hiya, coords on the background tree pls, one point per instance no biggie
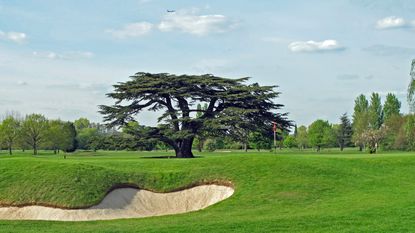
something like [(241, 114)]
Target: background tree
[(375, 112), (9, 132), (210, 145), (302, 137), (82, 123), (290, 141), (34, 130), (177, 95), (70, 143), (319, 133), (411, 88), (391, 107), (395, 137), (61, 136), (344, 132), (89, 139), (259, 141), (360, 120), (295, 131), (55, 135), (409, 128), (372, 138)]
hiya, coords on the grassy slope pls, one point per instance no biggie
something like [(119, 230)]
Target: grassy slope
[(290, 192)]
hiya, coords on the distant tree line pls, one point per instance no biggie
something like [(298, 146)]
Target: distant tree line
[(35, 132), (373, 125)]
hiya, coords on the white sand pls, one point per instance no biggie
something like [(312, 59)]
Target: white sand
[(127, 203)]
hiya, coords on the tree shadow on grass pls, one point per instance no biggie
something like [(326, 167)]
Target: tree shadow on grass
[(168, 157)]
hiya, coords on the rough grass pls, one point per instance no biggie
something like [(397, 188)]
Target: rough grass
[(292, 191)]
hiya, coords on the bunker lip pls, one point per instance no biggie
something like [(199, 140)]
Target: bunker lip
[(218, 182), (127, 202)]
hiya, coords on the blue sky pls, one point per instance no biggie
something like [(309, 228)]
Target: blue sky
[(59, 58)]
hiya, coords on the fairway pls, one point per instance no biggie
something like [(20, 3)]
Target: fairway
[(289, 191)]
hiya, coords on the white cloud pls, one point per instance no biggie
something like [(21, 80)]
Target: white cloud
[(315, 46), (191, 23), (17, 37), (132, 30), (72, 55), (391, 22)]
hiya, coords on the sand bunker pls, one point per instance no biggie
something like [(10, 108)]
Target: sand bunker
[(127, 203)]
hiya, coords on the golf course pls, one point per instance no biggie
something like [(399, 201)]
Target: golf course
[(287, 191), (207, 116)]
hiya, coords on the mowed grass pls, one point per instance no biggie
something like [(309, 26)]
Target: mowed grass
[(291, 191)]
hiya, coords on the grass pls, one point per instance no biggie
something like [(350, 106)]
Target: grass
[(289, 191)]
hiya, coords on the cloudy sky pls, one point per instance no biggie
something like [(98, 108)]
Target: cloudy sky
[(60, 57)]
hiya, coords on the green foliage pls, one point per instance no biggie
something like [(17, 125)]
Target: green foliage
[(259, 141), (320, 134), (392, 106), (290, 141), (410, 131), (411, 88), (360, 120), (61, 136), (176, 96), (210, 145), (395, 138), (302, 137), (34, 131), (69, 142), (81, 123), (295, 130), (9, 132), (88, 138), (344, 132), (375, 112)]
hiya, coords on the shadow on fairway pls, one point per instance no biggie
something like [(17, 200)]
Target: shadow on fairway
[(168, 157)]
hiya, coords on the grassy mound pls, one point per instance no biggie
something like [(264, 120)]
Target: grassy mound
[(293, 192)]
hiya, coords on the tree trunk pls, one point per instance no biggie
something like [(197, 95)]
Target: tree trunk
[(318, 148), (34, 149), (200, 145), (10, 150), (184, 149), (341, 147), (246, 147)]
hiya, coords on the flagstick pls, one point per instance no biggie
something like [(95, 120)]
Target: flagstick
[(274, 128)]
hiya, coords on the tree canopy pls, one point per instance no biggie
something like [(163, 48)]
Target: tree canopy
[(391, 107), (177, 97), (344, 132), (375, 111), (360, 119), (320, 134), (411, 88)]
